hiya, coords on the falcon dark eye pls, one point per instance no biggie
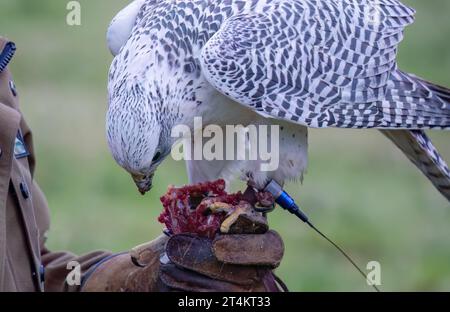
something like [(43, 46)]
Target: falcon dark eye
[(156, 157)]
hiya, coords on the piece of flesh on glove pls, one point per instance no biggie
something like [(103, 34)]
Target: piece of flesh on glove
[(206, 208), (200, 208)]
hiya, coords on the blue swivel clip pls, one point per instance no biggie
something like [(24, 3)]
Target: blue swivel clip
[(285, 201)]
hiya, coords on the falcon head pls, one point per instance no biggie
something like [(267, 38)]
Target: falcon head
[(136, 134), (134, 149)]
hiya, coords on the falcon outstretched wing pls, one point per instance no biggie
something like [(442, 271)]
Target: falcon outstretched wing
[(323, 63)]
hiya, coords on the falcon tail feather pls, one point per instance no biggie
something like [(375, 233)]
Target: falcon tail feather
[(416, 103), (417, 146), (442, 92)]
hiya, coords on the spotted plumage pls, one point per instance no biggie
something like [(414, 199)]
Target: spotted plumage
[(295, 63)]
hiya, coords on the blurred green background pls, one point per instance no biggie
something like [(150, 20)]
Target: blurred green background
[(359, 189)]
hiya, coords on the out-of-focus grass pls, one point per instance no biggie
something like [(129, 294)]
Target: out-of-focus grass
[(359, 189)]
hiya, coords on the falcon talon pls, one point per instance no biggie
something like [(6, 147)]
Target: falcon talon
[(265, 202), (264, 209)]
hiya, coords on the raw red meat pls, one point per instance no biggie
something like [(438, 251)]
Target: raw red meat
[(186, 208)]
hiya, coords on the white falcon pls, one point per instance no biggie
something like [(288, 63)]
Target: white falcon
[(292, 63)]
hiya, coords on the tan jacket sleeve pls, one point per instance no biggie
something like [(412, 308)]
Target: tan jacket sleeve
[(56, 271)]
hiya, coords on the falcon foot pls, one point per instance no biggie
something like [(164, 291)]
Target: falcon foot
[(262, 201)]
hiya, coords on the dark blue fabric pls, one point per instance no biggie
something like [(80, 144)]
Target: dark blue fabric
[(6, 55)]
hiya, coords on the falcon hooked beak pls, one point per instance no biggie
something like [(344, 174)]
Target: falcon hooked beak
[(143, 182)]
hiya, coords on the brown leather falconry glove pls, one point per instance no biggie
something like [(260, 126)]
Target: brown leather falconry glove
[(230, 262)]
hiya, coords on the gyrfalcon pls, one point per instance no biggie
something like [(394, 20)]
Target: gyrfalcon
[(292, 63)]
